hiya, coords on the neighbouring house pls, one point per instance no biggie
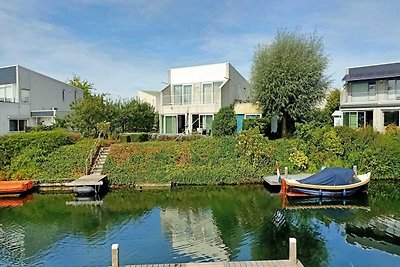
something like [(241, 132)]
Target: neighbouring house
[(371, 96), (151, 97), (28, 98), (195, 94), (245, 110)]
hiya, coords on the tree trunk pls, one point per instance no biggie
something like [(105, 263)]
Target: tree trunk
[(283, 126)]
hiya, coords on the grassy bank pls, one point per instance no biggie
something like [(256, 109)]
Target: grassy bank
[(46, 156), (249, 156), (60, 155)]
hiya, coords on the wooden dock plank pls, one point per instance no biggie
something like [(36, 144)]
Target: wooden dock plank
[(264, 263), (93, 179)]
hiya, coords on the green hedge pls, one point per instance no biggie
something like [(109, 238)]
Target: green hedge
[(249, 156), (134, 137), (49, 155)]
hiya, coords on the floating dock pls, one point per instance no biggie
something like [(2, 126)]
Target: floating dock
[(89, 180), (291, 262)]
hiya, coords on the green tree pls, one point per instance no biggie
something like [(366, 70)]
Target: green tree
[(288, 76), (224, 122), (78, 82), (87, 113), (332, 103)]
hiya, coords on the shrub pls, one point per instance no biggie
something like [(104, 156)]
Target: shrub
[(224, 122), (134, 137)]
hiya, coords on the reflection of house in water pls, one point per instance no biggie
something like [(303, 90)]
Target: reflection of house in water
[(194, 234), (382, 233)]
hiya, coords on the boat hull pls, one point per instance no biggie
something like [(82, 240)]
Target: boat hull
[(15, 187), (311, 192)]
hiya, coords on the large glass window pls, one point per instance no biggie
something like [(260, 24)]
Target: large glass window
[(391, 117), (187, 94), (358, 119), (371, 91), (182, 94), (359, 91), (393, 89), (177, 92), (207, 93), (8, 93), (206, 122), (170, 125), (17, 125)]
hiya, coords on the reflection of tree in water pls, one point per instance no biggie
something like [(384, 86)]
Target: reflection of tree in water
[(271, 241)]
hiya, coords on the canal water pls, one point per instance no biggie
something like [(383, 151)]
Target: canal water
[(201, 224)]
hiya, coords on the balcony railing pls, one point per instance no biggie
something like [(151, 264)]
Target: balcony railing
[(189, 99), (363, 96)]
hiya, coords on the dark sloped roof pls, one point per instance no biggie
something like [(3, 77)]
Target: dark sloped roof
[(390, 70)]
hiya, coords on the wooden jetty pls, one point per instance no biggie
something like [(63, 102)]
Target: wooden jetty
[(93, 180), (291, 262), (272, 180), (89, 180)]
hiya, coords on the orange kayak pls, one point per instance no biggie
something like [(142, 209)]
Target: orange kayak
[(15, 187)]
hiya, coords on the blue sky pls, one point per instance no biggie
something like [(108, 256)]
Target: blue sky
[(123, 46)]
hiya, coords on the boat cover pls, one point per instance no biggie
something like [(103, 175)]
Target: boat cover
[(331, 176)]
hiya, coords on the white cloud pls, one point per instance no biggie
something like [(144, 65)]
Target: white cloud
[(56, 52)]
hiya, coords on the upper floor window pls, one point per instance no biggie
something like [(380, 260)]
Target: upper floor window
[(8, 93), (75, 94), (208, 91), (393, 89), (25, 95), (363, 91), (182, 94), (63, 94)]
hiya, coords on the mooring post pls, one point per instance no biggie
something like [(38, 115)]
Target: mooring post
[(355, 170), (114, 255), (292, 250), (286, 173)]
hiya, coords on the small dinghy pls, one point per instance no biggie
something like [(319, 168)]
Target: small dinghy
[(15, 187), (330, 182), (84, 190)]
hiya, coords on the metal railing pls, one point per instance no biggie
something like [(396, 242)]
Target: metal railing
[(92, 154), (189, 99)]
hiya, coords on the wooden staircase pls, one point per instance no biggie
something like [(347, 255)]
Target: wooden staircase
[(97, 166)]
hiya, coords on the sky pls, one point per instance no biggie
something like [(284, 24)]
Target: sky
[(122, 46)]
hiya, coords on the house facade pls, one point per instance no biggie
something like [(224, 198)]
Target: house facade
[(195, 94), (371, 96), (28, 98)]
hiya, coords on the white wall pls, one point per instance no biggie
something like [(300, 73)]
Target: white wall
[(198, 74), (152, 98)]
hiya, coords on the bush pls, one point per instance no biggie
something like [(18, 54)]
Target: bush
[(224, 122), (13, 146), (134, 137)]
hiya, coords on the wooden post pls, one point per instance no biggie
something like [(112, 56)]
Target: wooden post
[(286, 173), (292, 250), (355, 170), (114, 255)]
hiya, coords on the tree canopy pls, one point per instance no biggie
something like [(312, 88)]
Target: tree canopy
[(78, 82), (288, 76)]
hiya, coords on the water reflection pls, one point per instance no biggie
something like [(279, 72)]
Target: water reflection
[(201, 224), (194, 233)]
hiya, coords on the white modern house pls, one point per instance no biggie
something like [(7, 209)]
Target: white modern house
[(371, 96), (28, 98), (195, 94)]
